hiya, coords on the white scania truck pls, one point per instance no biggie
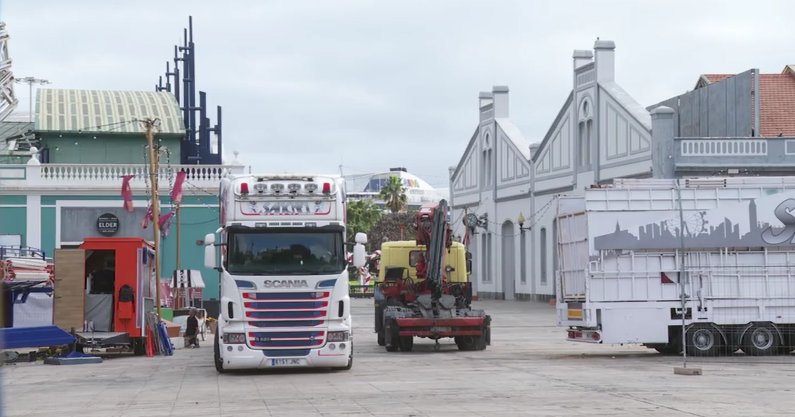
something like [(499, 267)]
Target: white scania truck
[(629, 251), (283, 273)]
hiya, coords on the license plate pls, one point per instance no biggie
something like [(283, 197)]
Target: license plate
[(286, 362)]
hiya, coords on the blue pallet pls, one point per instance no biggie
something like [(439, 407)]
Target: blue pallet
[(39, 336)]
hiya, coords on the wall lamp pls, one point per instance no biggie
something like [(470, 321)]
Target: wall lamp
[(521, 221)]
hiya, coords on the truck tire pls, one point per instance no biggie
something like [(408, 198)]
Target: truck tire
[(406, 343), (468, 343), (391, 336), (219, 362), (350, 360), (703, 340), (761, 339), (381, 338)]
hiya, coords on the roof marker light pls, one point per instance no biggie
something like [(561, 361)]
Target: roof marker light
[(243, 188), (326, 188)]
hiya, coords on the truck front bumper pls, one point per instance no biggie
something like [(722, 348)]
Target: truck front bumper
[(240, 356)]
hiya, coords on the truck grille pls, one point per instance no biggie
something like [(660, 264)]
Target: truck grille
[(285, 321)]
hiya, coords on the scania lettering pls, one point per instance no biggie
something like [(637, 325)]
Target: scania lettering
[(283, 273), (284, 284)]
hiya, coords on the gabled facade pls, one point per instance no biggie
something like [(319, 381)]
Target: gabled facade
[(600, 133), (492, 180)]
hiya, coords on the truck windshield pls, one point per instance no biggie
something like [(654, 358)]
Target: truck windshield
[(283, 252)]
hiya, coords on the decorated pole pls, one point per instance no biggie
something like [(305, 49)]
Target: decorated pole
[(155, 205)]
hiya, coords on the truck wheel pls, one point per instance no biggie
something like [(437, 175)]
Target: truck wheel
[(761, 339), (391, 336), (381, 338), (406, 343), (467, 343), (350, 360), (219, 362), (703, 340)]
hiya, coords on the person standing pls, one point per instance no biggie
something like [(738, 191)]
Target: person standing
[(191, 329)]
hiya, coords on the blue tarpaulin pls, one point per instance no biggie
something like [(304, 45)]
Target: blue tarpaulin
[(39, 336)]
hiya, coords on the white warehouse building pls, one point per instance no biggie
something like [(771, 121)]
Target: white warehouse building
[(601, 133)]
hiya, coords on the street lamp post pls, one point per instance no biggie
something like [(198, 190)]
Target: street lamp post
[(30, 81)]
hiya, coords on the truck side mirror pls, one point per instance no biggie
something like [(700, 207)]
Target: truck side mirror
[(469, 262), (358, 254), (209, 251)]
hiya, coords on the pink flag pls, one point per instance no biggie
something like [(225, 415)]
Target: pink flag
[(165, 223), (147, 218), (176, 192), (126, 193)]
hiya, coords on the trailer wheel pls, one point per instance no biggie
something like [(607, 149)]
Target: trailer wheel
[(219, 362), (703, 340), (761, 339)]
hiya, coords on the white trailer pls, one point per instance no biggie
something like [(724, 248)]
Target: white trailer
[(627, 252)]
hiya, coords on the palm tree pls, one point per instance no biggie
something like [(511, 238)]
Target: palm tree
[(394, 194)]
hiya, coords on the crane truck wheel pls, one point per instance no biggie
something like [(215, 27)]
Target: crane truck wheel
[(391, 336), (467, 343), (703, 340), (406, 343), (219, 362), (761, 339)]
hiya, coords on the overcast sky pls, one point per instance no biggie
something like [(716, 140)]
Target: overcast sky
[(374, 84)]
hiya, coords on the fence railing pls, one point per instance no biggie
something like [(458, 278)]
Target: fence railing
[(110, 175)]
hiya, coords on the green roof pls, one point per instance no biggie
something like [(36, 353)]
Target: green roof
[(104, 111)]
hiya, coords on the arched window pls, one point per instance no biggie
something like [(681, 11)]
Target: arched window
[(488, 163), (584, 135)]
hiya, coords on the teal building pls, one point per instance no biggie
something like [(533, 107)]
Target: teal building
[(64, 171)]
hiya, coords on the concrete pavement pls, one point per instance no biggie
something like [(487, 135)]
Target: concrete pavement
[(529, 370)]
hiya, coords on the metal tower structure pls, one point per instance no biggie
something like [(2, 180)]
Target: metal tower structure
[(196, 147), (8, 101)]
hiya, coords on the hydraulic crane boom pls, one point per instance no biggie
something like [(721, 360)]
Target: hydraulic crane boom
[(433, 232)]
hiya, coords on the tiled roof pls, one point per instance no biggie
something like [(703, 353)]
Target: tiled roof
[(713, 78), (98, 111), (777, 105), (776, 100)]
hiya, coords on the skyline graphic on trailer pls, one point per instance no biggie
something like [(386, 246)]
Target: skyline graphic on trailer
[(743, 224)]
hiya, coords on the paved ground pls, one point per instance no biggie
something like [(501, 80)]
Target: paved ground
[(528, 370)]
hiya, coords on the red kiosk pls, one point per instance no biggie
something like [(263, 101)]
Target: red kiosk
[(119, 291)]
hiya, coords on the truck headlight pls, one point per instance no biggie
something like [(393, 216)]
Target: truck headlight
[(338, 336), (234, 338)]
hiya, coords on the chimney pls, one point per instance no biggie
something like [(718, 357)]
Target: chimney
[(662, 138), (500, 93), (582, 57), (484, 99), (605, 52)]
